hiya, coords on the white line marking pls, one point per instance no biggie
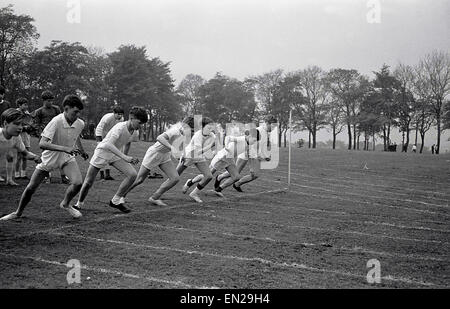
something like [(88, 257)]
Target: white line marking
[(108, 271), (247, 259), (268, 239)]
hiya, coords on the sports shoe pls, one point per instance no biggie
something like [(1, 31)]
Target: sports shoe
[(72, 211), (217, 183), (186, 186), (122, 200), (2, 179), (219, 194), (65, 180), (155, 175), (120, 207), (108, 177), (238, 189), (195, 197), (156, 202), (11, 183), (17, 175), (11, 216)]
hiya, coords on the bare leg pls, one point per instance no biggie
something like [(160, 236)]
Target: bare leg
[(169, 169), (240, 164), (235, 176), (36, 179), (130, 176), (255, 167), (88, 183), (72, 171), (141, 176), (10, 165)]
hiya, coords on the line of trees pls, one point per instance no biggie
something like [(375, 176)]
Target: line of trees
[(411, 99)]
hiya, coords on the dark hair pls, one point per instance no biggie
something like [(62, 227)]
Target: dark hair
[(21, 101), (2, 89), (73, 101), (206, 121), (189, 120), (139, 113), (118, 110), (47, 95), (10, 115)]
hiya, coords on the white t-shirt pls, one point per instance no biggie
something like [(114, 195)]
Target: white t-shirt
[(234, 146), (174, 133), (7, 145), (118, 136), (61, 133), (107, 122), (198, 145)]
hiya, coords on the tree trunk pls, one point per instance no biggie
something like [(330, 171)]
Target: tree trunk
[(373, 138), (407, 138), (417, 132), (354, 136), (422, 136), (309, 139), (285, 132), (438, 145), (357, 145), (314, 135), (349, 131), (334, 137), (280, 135)]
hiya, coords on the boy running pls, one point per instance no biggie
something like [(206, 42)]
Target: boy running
[(108, 152), (10, 139), (194, 153), (254, 161), (159, 155), (61, 142), (224, 159), (107, 122)]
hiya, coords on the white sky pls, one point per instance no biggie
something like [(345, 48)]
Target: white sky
[(246, 37)]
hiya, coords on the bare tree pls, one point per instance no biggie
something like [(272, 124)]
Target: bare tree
[(405, 75), (435, 68), (334, 118)]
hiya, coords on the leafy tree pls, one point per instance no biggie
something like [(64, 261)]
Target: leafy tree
[(17, 37), (188, 93)]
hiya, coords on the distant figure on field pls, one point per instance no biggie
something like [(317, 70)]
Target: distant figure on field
[(432, 149), (414, 149)]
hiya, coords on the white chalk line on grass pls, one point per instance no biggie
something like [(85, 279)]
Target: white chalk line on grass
[(346, 213), (400, 226), (373, 185), (358, 185), (369, 196), (329, 230), (115, 216), (246, 259), (109, 271), (321, 245), (369, 203), (364, 173)]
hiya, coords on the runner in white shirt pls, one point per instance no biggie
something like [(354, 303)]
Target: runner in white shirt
[(108, 152), (159, 155), (61, 143), (224, 159), (253, 161), (107, 122), (197, 150), (10, 139)]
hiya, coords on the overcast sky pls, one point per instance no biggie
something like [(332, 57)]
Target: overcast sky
[(247, 37)]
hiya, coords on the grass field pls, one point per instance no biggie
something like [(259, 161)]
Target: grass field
[(321, 234)]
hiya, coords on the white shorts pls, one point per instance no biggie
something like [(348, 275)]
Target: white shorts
[(56, 161), (191, 161), (100, 163), (154, 158), (219, 163)]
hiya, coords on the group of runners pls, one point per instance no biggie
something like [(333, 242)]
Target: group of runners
[(217, 154)]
